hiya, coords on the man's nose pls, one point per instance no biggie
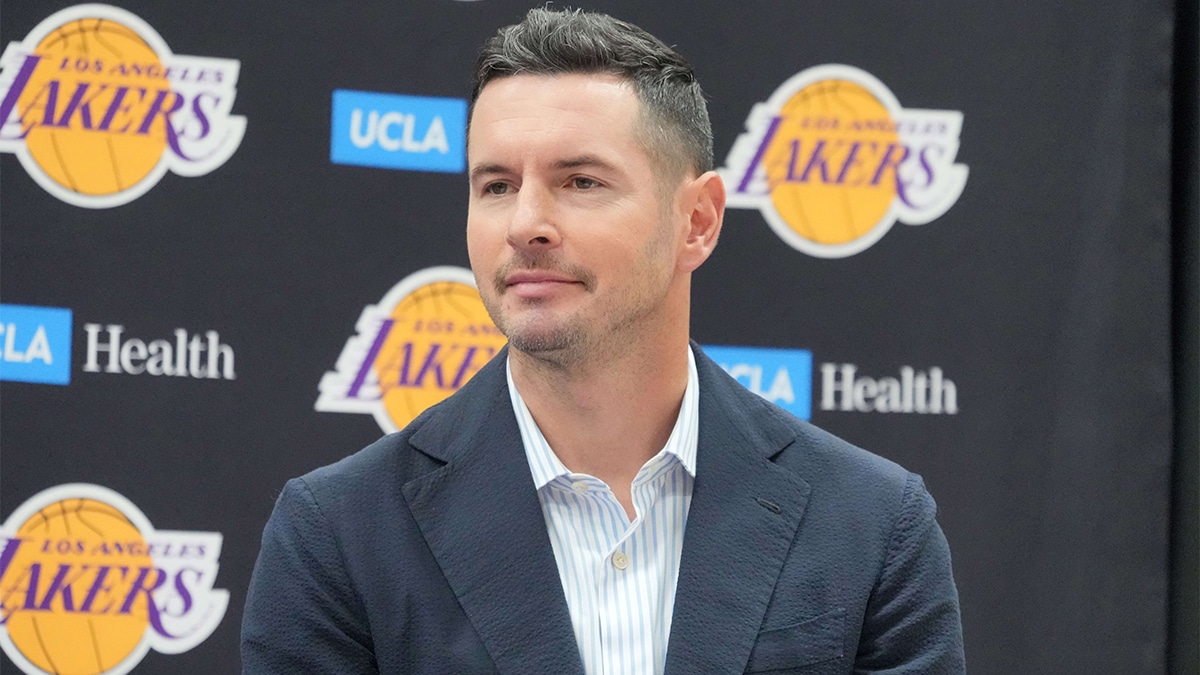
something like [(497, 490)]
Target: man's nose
[(533, 221)]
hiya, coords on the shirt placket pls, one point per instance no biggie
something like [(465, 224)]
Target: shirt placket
[(604, 526), (628, 584)]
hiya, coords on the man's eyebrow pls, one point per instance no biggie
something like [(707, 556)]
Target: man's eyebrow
[(577, 162), (584, 161), (487, 170)]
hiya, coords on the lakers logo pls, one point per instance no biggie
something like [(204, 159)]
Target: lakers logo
[(832, 161), (423, 341), (97, 108), (88, 586)]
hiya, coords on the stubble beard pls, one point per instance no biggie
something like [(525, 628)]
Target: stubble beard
[(569, 340), (558, 342)]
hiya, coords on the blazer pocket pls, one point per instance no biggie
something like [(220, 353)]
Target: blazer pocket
[(800, 644)]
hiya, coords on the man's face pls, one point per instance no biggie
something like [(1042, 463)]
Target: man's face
[(571, 237)]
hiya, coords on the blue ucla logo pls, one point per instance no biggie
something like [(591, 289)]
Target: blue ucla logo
[(394, 131), (782, 376), (35, 344)]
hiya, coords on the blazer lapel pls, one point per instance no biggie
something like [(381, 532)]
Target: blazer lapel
[(482, 520), (744, 515)]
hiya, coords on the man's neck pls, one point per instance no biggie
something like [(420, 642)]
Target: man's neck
[(606, 416)]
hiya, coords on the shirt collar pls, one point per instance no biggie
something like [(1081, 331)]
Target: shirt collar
[(546, 466)]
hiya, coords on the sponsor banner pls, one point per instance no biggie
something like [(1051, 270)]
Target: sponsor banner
[(428, 335), (88, 586), (36, 344), (97, 108), (910, 390), (396, 131), (781, 376), (110, 350), (832, 161)]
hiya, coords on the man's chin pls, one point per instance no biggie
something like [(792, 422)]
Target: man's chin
[(545, 338), (540, 343)]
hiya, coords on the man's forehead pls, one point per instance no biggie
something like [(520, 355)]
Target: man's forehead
[(550, 82), (597, 110), (554, 95)]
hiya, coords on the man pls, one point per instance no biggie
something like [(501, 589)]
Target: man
[(601, 497)]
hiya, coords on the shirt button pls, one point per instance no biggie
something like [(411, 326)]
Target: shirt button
[(579, 486), (620, 560)]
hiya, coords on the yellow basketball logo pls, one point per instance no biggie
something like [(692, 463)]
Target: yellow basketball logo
[(88, 586), (97, 108), (421, 343), (832, 161)]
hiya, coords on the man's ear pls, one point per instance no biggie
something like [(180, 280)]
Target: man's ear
[(705, 204)]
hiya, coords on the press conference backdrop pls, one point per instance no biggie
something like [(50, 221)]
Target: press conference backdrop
[(233, 251)]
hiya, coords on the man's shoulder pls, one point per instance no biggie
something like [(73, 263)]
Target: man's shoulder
[(375, 473), (424, 445), (831, 465), (844, 483), (826, 456)]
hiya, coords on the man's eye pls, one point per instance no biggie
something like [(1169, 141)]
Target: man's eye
[(496, 188), (584, 183)]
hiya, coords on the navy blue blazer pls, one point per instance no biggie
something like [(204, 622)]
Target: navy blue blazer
[(427, 552)]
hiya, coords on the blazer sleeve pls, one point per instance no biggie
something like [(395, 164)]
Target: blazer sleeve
[(302, 614), (913, 623)]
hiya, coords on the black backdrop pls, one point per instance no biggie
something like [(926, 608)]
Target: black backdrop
[(1043, 293)]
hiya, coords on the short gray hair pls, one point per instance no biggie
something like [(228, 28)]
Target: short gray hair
[(675, 122)]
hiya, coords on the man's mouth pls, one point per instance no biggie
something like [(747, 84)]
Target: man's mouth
[(536, 283)]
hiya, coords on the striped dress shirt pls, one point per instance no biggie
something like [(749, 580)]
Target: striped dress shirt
[(618, 576)]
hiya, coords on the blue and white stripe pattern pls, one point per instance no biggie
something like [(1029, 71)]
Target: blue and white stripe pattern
[(618, 576)]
